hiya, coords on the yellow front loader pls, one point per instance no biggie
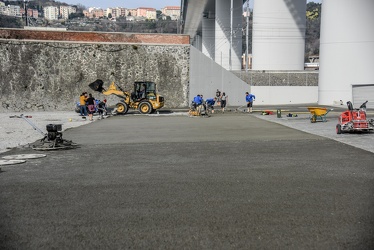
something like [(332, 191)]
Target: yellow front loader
[(144, 96)]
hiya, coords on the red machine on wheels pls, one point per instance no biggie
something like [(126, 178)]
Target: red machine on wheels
[(354, 120)]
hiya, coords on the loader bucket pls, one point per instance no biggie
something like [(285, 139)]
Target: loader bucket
[(97, 85)]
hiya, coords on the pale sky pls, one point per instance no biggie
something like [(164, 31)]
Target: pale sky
[(157, 4)]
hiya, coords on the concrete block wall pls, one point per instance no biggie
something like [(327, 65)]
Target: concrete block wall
[(279, 95), (42, 75), (282, 87), (279, 78)]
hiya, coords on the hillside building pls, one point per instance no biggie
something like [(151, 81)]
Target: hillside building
[(149, 13), (10, 10), (131, 12), (65, 11), (171, 11), (51, 13)]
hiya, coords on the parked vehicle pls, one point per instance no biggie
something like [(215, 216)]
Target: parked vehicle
[(144, 96), (354, 120)]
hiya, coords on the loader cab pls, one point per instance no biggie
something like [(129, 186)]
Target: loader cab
[(144, 90)]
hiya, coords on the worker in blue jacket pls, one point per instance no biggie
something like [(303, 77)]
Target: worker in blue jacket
[(197, 103), (249, 98), (210, 103), (198, 100)]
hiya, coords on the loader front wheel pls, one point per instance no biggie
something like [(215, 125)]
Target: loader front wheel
[(122, 108), (145, 108)]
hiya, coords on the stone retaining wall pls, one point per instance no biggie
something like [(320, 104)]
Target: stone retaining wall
[(45, 75)]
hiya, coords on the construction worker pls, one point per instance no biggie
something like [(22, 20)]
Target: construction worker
[(223, 101), (210, 103), (249, 98), (197, 102), (82, 104)]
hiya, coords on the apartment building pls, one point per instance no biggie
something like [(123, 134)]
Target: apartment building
[(94, 12), (65, 11), (146, 12), (10, 10), (33, 13), (51, 12), (171, 11), (3, 9), (131, 12), (123, 11), (117, 12), (109, 11), (30, 13), (149, 13), (14, 10)]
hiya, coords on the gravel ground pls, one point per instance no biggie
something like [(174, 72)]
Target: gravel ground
[(15, 132)]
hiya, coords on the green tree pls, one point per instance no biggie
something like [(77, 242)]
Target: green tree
[(312, 33), (76, 15), (11, 22)]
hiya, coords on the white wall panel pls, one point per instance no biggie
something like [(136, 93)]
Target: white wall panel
[(278, 34), (346, 48)]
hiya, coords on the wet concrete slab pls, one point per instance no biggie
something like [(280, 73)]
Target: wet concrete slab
[(229, 181)]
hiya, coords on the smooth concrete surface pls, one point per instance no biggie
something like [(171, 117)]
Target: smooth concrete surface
[(231, 181)]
